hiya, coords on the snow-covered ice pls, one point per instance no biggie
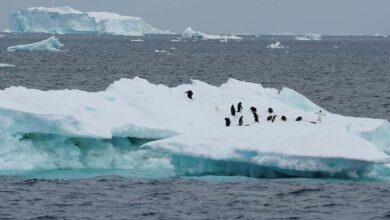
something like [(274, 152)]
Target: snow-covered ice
[(193, 133), (66, 20), (50, 44), (309, 36), (191, 34), (276, 45)]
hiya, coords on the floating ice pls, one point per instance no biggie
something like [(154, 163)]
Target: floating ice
[(276, 45), (50, 44), (73, 128), (160, 51), (4, 65), (137, 40), (66, 20), (309, 36), (191, 34)]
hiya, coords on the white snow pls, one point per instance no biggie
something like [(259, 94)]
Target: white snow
[(65, 20), (196, 129), (50, 44), (276, 45), (308, 37), (4, 65), (191, 34)]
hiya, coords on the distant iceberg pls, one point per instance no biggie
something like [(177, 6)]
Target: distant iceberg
[(51, 44), (309, 36), (72, 128), (191, 34), (276, 45), (66, 20), (4, 65)]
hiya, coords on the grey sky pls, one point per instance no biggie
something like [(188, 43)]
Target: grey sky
[(238, 16)]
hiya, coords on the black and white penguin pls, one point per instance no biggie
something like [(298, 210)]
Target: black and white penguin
[(239, 107), (227, 122), (269, 118), (299, 118), (284, 118), (273, 118), (256, 116), (253, 109), (241, 121), (270, 110), (189, 94), (233, 110)]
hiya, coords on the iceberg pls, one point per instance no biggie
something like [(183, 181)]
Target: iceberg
[(197, 35), (66, 20), (50, 44), (308, 37), (134, 123), (276, 45), (4, 65)]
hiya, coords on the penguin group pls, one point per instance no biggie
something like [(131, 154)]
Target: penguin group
[(271, 118)]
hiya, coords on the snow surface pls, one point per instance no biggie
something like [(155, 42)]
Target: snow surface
[(276, 45), (308, 36), (50, 44), (66, 20), (193, 132), (191, 34), (4, 65)]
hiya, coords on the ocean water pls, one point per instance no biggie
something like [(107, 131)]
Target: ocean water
[(345, 75)]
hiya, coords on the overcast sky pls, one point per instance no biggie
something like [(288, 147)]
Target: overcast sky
[(238, 16)]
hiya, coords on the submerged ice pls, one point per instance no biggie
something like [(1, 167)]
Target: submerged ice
[(66, 20), (134, 123), (50, 44)]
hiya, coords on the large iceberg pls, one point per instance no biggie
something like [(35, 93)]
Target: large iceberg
[(308, 37), (50, 44), (66, 20), (134, 123), (191, 34)]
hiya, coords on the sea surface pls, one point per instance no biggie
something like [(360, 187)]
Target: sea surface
[(345, 75)]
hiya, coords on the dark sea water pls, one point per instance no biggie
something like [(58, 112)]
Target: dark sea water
[(345, 75)]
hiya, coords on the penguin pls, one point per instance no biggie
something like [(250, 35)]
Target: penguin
[(256, 117), (189, 94), (241, 121), (233, 110), (270, 110), (253, 109), (273, 118), (269, 118), (227, 122), (299, 118), (239, 107), (284, 118)]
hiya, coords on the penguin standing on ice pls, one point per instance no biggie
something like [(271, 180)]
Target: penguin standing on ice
[(284, 118), (189, 94), (270, 110), (241, 121), (256, 116), (233, 110), (273, 118), (239, 107), (319, 114), (227, 122)]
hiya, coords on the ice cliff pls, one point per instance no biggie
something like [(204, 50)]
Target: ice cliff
[(66, 20)]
